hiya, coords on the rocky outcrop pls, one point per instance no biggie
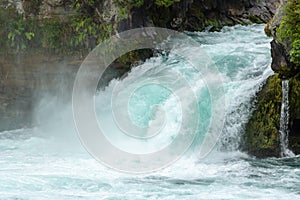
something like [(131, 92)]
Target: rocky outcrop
[(195, 15), (281, 60), (221, 12), (262, 131), (261, 134)]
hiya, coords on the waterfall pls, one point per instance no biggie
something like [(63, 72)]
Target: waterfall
[(284, 121)]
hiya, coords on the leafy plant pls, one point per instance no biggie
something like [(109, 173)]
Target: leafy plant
[(19, 35), (87, 24), (289, 29)]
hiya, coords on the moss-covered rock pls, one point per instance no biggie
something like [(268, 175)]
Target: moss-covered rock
[(289, 30), (261, 133), (261, 136), (284, 28), (294, 137)]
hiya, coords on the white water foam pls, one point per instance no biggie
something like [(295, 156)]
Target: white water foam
[(45, 163)]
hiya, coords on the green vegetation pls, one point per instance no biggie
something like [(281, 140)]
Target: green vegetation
[(14, 33), (87, 24), (255, 19), (294, 140), (81, 32), (261, 134), (295, 97), (262, 131), (289, 29), (124, 6), (84, 30), (19, 35), (130, 3), (165, 3), (267, 29), (216, 25)]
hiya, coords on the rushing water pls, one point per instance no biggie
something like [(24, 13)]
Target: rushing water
[(48, 162), (284, 121)]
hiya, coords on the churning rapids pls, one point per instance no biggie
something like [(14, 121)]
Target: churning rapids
[(48, 162)]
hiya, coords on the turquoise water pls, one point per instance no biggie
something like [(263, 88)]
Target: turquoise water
[(48, 162)]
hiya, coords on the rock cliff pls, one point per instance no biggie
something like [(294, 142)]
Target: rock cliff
[(262, 131)]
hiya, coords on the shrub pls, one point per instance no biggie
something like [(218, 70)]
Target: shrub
[(289, 29)]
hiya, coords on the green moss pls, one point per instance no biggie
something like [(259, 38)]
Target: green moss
[(294, 138), (261, 133), (294, 143), (130, 3), (295, 97), (161, 17), (267, 29), (15, 33), (196, 12), (165, 3), (255, 19), (87, 25), (285, 71), (123, 12), (82, 32), (289, 29), (124, 6), (216, 25)]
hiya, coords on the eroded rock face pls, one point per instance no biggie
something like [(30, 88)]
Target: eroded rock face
[(275, 22), (184, 15), (229, 12), (26, 78), (280, 49), (281, 60), (18, 4), (56, 9)]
